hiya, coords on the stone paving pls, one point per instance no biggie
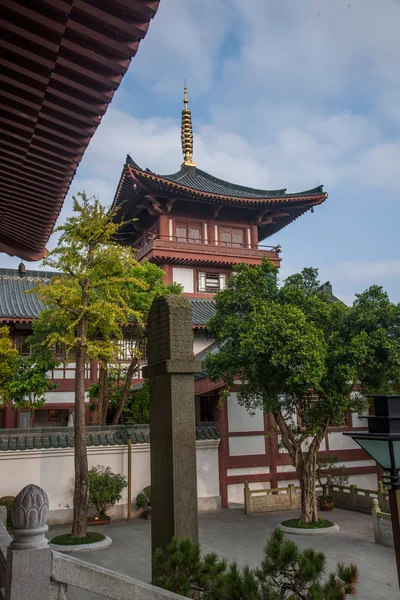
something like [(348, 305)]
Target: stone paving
[(237, 536)]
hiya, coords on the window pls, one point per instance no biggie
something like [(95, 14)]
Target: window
[(181, 231), (130, 347), (211, 283), (188, 232), (231, 236), (194, 234), (206, 409), (22, 345)]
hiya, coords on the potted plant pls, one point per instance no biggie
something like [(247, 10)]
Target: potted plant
[(329, 473), (7, 501), (143, 501), (105, 489)]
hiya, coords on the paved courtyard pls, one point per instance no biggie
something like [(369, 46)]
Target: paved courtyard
[(238, 537)]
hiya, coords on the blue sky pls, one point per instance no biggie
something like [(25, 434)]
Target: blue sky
[(283, 93)]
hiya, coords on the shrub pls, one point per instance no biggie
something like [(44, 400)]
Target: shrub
[(105, 488), (285, 573), (7, 501), (67, 540), (143, 500)]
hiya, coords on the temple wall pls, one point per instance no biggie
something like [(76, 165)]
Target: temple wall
[(53, 470)]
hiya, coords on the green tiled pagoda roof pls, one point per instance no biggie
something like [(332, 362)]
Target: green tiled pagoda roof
[(15, 302), (198, 180), (202, 310), (108, 435)]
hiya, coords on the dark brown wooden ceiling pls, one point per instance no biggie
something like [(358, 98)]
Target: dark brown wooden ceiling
[(60, 64)]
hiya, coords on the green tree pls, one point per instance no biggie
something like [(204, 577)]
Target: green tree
[(115, 378), (285, 573), (8, 360), (142, 301), (139, 407), (31, 382), (87, 307), (298, 355)]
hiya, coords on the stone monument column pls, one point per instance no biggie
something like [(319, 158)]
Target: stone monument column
[(170, 370)]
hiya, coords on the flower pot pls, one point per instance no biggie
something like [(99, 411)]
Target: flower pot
[(326, 502), (99, 520)]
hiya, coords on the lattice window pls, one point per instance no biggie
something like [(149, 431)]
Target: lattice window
[(22, 345), (131, 346), (211, 283)]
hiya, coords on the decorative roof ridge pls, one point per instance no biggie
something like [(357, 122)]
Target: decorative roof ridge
[(174, 178), (24, 278)]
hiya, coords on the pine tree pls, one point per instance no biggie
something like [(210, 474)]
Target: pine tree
[(285, 573)]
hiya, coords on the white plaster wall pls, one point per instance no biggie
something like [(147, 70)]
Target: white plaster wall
[(285, 469), (287, 482), (306, 444), (53, 470), (236, 491), (366, 482), (184, 277), (338, 441), (239, 418), (201, 341), (246, 445), (61, 397), (357, 422), (248, 471)]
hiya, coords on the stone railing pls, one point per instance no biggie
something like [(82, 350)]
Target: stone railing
[(359, 499), (265, 500), (31, 570), (382, 523)]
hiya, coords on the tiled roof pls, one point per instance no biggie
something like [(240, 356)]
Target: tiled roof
[(198, 180), (202, 310), (15, 302), (108, 435)]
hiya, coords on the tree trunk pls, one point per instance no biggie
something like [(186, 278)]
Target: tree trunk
[(306, 474), (125, 392), (81, 490)]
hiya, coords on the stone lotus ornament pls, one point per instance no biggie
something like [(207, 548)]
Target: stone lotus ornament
[(29, 516)]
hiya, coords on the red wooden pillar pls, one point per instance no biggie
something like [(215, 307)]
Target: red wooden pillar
[(9, 416), (254, 236), (164, 227)]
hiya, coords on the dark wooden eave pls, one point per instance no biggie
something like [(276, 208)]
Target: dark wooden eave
[(272, 209), (61, 63)]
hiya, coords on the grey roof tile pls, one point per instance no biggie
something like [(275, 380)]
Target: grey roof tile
[(111, 435), (202, 310), (196, 179), (15, 301)]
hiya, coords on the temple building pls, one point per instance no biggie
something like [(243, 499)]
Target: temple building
[(196, 227)]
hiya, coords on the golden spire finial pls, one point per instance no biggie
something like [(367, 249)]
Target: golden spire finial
[(187, 133)]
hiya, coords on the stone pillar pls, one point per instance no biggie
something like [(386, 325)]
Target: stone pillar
[(29, 555), (171, 366)]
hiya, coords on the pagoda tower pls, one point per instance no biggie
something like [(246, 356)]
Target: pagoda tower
[(197, 226)]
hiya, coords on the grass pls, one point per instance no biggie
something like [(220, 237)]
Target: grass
[(299, 524), (67, 540)]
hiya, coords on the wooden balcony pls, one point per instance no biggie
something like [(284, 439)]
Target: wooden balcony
[(180, 251)]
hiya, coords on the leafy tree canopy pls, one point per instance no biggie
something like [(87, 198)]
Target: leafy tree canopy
[(8, 360), (298, 355)]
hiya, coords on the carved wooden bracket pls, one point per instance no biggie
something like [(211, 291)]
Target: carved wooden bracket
[(216, 212)]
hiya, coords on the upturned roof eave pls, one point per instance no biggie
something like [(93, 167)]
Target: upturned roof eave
[(315, 196)]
